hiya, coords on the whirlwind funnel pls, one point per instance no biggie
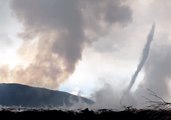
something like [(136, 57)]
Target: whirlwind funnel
[(144, 56)]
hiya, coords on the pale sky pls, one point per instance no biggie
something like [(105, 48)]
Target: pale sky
[(111, 57)]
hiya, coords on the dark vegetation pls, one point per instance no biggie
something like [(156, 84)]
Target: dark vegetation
[(129, 114)]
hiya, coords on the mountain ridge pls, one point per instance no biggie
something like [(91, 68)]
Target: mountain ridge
[(13, 94)]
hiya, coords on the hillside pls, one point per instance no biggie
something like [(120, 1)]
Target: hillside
[(27, 96)]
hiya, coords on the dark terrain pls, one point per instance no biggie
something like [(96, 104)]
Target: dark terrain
[(26, 96), (21, 102), (89, 115)]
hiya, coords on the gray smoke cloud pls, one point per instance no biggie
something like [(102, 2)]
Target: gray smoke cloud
[(55, 33), (110, 98), (106, 97), (144, 57)]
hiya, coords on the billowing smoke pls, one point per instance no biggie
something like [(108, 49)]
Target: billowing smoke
[(106, 97), (144, 57), (55, 33)]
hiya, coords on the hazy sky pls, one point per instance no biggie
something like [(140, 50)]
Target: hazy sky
[(85, 46)]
